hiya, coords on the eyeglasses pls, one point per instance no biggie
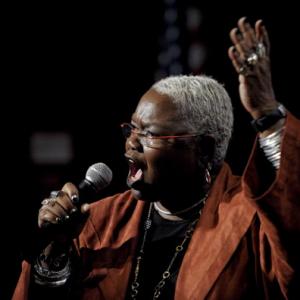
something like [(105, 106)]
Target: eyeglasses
[(153, 141)]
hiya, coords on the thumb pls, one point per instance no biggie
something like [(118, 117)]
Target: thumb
[(85, 208)]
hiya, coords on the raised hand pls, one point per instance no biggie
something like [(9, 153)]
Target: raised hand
[(250, 56)]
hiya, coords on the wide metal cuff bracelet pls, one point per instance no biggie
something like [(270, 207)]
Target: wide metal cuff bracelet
[(271, 146), (52, 278)]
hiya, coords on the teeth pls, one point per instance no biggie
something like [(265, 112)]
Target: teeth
[(137, 175), (135, 170), (131, 161)]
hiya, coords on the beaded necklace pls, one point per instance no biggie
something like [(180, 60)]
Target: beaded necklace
[(167, 273)]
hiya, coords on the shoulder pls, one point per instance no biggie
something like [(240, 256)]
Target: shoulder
[(226, 183), (116, 205), (109, 219)]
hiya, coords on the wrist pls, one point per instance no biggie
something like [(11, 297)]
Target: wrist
[(52, 267), (268, 120), (52, 276)]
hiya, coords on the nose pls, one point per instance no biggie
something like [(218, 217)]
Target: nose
[(133, 142)]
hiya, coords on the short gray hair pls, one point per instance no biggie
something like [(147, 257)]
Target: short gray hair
[(204, 105)]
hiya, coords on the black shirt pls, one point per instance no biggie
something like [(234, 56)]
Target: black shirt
[(160, 246)]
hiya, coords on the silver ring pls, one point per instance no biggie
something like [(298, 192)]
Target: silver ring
[(252, 59), (261, 50), (48, 201), (54, 194), (73, 210), (244, 69)]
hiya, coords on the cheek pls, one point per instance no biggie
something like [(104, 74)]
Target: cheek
[(157, 165), (165, 167)]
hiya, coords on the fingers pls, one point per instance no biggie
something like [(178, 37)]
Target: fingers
[(85, 208), (71, 190), (244, 38), (55, 213), (247, 32), (61, 207), (235, 58), (249, 53), (262, 35), (238, 42)]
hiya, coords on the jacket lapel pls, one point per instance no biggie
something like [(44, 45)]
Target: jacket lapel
[(218, 233)]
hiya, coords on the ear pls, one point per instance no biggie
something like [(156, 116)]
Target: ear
[(206, 149)]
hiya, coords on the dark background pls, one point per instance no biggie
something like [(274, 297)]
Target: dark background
[(81, 68)]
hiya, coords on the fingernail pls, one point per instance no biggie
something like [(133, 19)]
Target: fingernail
[(85, 207), (58, 220), (73, 210), (75, 199)]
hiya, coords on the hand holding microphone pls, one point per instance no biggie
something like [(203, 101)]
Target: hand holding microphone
[(63, 207), (60, 219)]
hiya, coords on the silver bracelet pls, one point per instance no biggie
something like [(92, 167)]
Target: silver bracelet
[(45, 276), (271, 146)]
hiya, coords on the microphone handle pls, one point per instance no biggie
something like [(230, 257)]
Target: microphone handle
[(87, 192)]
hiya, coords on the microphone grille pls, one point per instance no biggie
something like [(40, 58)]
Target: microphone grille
[(100, 175)]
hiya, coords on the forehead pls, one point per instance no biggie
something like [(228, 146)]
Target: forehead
[(154, 106)]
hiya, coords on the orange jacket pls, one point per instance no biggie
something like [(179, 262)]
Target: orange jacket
[(245, 246)]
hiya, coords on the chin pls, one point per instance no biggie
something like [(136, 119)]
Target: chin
[(144, 192), (137, 195)]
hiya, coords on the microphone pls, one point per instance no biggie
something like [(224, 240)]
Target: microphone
[(97, 177)]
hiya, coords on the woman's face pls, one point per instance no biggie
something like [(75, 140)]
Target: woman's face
[(169, 168)]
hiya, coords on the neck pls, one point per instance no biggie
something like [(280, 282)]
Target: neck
[(179, 214)]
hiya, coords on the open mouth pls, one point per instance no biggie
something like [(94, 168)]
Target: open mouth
[(135, 174)]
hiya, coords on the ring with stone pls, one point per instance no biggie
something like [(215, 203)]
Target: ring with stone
[(252, 59), (261, 50)]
